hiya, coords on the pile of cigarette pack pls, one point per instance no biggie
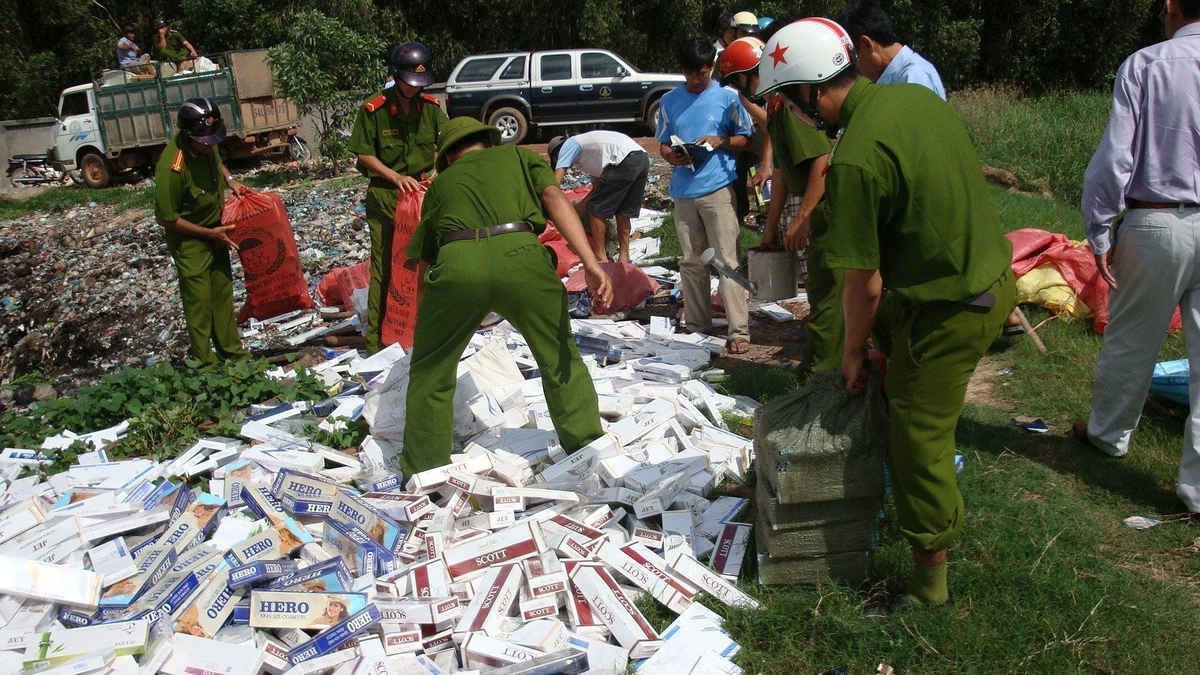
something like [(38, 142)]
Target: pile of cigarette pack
[(270, 553)]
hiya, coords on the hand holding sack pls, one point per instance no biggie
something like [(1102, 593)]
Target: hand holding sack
[(400, 309), (267, 248)]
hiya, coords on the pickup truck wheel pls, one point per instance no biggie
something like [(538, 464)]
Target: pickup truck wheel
[(95, 170), (511, 122), (652, 118)]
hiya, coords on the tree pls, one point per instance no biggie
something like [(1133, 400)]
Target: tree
[(328, 69)]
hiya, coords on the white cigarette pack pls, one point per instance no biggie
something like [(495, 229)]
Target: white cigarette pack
[(400, 638), (112, 560), (482, 651), (721, 511), (399, 505), (498, 594), (60, 645), (506, 546), (191, 655), (730, 549), (649, 572), (603, 658), (53, 583), (711, 582), (21, 517), (546, 635), (425, 611), (537, 608), (544, 575), (610, 604)]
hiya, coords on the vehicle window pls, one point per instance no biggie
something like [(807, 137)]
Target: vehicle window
[(596, 64), (515, 69), (479, 70), (556, 67), (74, 104)]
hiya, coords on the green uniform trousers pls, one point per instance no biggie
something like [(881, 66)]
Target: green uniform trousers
[(206, 287), (932, 351), (381, 217), (512, 275), (826, 327)]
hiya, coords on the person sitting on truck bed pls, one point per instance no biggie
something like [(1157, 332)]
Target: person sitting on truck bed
[(171, 46), (130, 56)]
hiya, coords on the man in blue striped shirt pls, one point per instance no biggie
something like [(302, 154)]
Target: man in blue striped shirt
[(881, 56)]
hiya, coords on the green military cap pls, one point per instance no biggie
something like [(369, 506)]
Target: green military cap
[(456, 130)]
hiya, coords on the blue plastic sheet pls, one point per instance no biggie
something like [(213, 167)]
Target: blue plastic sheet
[(1170, 380)]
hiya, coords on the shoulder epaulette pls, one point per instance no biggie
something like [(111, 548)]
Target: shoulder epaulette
[(177, 162), (430, 98), (375, 103), (774, 104)]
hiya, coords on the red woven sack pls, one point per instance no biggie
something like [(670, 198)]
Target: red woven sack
[(267, 248), (339, 284), (400, 309)]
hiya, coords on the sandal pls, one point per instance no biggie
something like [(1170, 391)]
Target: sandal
[(737, 346)]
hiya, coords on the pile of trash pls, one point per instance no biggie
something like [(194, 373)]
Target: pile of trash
[(289, 556)]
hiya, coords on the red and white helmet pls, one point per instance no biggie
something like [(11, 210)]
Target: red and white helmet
[(808, 51), (740, 56)]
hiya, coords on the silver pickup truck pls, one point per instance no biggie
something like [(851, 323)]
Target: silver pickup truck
[(519, 91)]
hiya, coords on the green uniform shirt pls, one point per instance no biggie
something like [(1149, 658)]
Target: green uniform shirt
[(483, 188), (907, 197), (406, 143), (796, 144), (174, 50), (188, 185)]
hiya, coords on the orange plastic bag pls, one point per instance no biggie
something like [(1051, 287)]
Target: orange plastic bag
[(267, 248), (400, 308), (339, 284)]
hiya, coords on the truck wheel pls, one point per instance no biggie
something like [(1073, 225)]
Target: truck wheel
[(511, 122), (95, 170), (298, 150)]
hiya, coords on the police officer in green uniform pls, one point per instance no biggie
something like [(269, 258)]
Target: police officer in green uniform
[(910, 213), (188, 195), (478, 235), (395, 137)]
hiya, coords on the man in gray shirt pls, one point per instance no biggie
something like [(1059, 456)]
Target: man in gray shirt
[(1147, 166)]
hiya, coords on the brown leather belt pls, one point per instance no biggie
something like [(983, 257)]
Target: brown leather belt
[(484, 233), (1139, 204)]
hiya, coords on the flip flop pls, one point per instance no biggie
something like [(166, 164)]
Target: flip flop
[(737, 346)]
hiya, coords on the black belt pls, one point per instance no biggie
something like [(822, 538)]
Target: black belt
[(484, 233), (1139, 204)]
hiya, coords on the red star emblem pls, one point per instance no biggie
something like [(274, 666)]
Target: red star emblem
[(777, 55)]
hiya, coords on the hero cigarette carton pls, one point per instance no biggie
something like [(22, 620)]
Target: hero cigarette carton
[(482, 651), (209, 610), (506, 546), (258, 499), (348, 509), (277, 541), (330, 640), (610, 604), (168, 595), (306, 507), (361, 553), (649, 572), (258, 572), (303, 485), (302, 609), (710, 581), (329, 575), (498, 594), (730, 549)]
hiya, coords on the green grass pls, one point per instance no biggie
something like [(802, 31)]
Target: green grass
[(58, 199), (1046, 141)]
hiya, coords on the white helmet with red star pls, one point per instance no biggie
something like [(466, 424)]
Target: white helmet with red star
[(808, 51)]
